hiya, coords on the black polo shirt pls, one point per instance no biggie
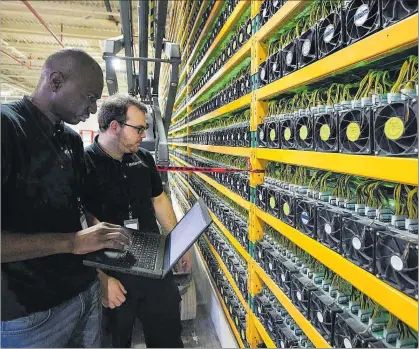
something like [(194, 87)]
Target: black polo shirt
[(42, 167), (119, 190)]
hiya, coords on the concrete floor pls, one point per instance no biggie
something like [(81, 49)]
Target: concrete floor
[(197, 333)]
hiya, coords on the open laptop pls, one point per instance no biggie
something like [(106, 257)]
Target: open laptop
[(154, 255)]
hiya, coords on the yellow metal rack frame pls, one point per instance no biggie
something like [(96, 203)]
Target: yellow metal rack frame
[(387, 41)]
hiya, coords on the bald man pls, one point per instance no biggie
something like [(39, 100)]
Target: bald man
[(49, 299)]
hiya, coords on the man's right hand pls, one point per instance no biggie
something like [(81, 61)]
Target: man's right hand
[(100, 236)]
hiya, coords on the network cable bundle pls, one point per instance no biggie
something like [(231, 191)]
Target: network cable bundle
[(306, 112)]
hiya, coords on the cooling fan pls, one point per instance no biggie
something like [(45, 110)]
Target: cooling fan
[(284, 271), (241, 279), (245, 187), (265, 11), (287, 207), (242, 36), (396, 10), (223, 56), (262, 306), (241, 326), (243, 236), (289, 61), (305, 216), (275, 70), (358, 242), (285, 338), (235, 44), (261, 196), (272, 257), (362, 19), (273, 201), (331, 34), (248, 83), (245, 135), (307, 47), (301, 287), (396, 129), (304, 132), (260, 251), (273, 320), (355, 131), (350, 333), (329, 227), (326, 132), (287, 134), (262, 136), (272, 130), (275, 6), (248, 29), (323, 312), (264, 73), (397, 261)]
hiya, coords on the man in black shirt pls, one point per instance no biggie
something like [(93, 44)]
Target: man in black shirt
[(49, 299), (123, 187)]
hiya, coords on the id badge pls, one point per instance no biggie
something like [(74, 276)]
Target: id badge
[(131, 223), (83, 221)]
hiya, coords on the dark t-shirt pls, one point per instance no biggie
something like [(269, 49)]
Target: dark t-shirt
[(115, 188), (42, 168)]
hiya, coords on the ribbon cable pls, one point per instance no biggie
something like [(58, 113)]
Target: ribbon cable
[(202, 169)]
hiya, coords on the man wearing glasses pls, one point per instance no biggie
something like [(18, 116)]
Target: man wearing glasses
[(123, 187)]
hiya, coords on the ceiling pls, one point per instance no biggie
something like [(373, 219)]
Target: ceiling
[(26, 42)]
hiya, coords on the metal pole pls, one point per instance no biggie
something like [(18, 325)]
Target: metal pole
[(40, 19), (158, 43), (143, 45), (126, 18)]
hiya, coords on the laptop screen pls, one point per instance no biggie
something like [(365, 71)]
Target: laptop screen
[(195, 221)]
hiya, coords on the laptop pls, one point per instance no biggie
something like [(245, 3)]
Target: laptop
[(154, 255)]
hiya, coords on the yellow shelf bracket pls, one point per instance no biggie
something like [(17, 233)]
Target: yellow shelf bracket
[(257, 164), (259, 111), (257, 225), (256, 283), (252, 334)]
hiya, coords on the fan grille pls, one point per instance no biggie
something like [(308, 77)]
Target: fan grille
[(363, 18), (287, 208), (396, 10), (397, 261), (358, 242), (396, 129), (355, 131), (326, 132), (305, 219), (289, 58), (329, 227), (307, 47), (286, 128), (330, 34), (304, 132)]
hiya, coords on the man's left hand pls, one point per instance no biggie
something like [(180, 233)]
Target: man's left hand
[(185, 263)]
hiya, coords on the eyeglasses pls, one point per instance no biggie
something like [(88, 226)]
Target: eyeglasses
[(140, 129)]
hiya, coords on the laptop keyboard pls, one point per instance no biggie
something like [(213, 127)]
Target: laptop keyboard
[(145, 256)]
